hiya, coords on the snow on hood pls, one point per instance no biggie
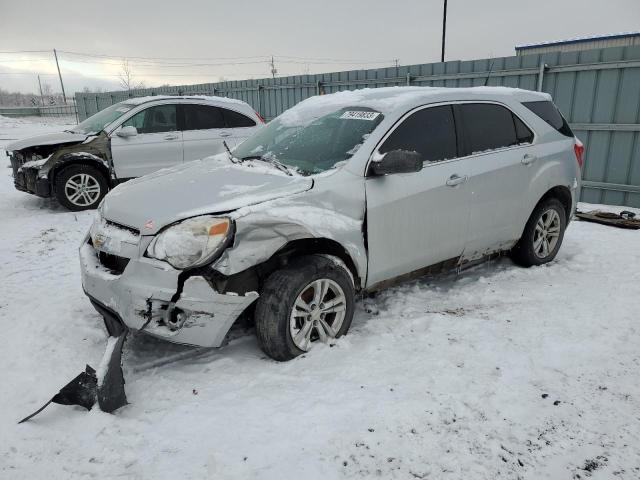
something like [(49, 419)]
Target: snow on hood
[(200, 187), (46, 139)]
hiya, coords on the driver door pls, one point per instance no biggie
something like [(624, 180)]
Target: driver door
[(157, 145), (415, 220)]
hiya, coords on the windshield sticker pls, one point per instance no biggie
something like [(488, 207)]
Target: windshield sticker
[(359, 115)]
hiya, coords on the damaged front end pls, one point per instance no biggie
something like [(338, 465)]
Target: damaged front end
[(34, 165), (130, 288)]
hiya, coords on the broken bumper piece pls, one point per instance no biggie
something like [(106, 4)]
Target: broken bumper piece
[(142, 298)]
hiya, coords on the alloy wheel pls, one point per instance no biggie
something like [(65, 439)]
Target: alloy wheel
[(82, 189), (546, 233), (318, 313)]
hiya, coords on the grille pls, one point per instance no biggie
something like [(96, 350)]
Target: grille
[(114, 263), (122, 227)]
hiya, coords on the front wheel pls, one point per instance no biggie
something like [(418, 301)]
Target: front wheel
[(310, 300), (542, 235), (80, 187)]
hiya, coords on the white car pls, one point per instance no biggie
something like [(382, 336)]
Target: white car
[(127, 140)]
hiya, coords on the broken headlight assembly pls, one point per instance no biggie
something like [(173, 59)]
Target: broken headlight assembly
[(192, 242)]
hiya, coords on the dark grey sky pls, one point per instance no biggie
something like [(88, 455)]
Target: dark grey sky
[(354, 30)]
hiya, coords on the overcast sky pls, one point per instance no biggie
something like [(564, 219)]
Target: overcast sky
[(349, 33)]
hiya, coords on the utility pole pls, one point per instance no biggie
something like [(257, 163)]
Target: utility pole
[(273, 68), (444, 29), (41, 96), (64, 97)]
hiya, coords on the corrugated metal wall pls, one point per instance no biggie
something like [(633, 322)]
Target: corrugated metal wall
[(597, 90)]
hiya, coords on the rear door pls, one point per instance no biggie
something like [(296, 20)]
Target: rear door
[(239, 125), (204, 131), (498, 144), (415, 220), (158, 143)]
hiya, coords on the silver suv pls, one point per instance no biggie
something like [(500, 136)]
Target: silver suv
[(127, 140), (343, 193)]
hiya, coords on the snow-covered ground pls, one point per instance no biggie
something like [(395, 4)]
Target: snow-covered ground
[(500, 372)]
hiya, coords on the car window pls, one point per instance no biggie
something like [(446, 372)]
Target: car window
[(312, 143), (523, 133), (156, 119), (235, 120), (202, 117), (547, 111), (487, 127), (97, 122), (431, 132)]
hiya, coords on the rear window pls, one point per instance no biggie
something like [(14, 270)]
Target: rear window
[(548, 112), (236, 120)]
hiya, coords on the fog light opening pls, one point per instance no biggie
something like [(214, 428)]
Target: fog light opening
[(176, 319)]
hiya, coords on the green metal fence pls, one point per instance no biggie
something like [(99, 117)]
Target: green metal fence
[(47, 111), (597, 90)]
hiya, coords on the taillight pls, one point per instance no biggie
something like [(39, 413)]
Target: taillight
[(578, 149), (260, 117)]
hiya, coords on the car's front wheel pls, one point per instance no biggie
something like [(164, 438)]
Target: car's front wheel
[(542, 235), (310, 300), (80, 187)]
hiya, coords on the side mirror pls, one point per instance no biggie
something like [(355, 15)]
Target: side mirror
[(126, 132), (397, 161)]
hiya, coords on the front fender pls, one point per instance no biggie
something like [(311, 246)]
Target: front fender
[(262, 230)]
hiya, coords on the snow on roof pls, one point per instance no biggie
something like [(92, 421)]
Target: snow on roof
[(389, 99), (588, 38), (150, 98)]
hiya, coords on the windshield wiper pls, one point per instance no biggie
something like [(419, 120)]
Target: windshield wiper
[(280, 166), (232, 159)]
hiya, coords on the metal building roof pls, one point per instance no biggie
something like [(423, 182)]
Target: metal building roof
[(569, 41)]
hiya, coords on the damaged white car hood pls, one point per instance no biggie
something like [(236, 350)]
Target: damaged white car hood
[(201, 187), (47, 139)]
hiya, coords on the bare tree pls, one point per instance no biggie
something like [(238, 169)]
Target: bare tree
[(127, 80)]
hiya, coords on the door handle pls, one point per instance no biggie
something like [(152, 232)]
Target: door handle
[(528, 159), (171, 136), (456, 179), (225, 134)]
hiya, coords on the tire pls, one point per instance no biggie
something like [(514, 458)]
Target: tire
[(294, 287), (71, 178), (530, 249)]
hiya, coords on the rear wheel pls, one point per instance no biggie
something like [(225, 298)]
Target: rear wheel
[(80, 187), (542, 235), (310, 300)]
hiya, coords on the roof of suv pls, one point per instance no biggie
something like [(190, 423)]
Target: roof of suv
[(212, 98), (391, 99)]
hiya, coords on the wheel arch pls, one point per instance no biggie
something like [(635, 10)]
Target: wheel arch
[(254, 277), (320, 246), (88, 160), (563, 194)]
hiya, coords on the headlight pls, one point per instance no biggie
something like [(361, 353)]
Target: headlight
[(192, 242)]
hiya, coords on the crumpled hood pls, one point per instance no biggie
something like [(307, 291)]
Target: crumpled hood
[(46, 139), (200, 187)]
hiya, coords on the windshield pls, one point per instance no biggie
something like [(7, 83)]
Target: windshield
[(97, 122), (312, 147)]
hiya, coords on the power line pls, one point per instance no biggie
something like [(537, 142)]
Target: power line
[(26, 51)]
